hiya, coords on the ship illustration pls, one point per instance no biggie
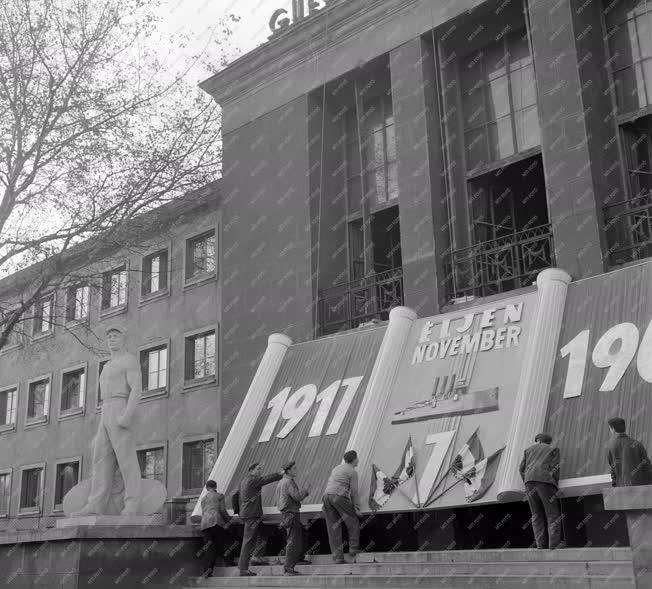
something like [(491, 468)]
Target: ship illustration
[(450, 397)]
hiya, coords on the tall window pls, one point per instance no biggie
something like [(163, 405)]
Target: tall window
[(200, 255), (155, 273), (152, 464), (43, 315), (499, 101), (30, 489), (154, 368), (114, 288), (38, 400), (8, 407), (73, 390), (99, 388), (629, 32), (66, 477), (198, 460), (77, 305), (200, 355), (5, 493)]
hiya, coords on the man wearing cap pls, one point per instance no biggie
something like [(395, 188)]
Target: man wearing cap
[(628, 460), (539, 470), (114, 446), (251, 512), (289, 504)]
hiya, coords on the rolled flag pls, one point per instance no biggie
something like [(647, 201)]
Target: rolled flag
[(407, 466), (380, 489), (483, 476), (464, 465)]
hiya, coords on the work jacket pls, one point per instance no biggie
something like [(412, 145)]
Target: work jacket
[(251, 504), (630, 465), (213, 511), (540, 464)]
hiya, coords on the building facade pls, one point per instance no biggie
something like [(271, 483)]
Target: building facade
[(163, 287)]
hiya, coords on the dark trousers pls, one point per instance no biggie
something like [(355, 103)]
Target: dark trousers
[(291, 523), (546, 517), (253, 542), (217, 543), (338, 510)]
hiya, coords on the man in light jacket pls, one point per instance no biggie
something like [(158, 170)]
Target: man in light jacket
[(539, 470), (289, 504), (628, 460), (342, 504), (215, 526)]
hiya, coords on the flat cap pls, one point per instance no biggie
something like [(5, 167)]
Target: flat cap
[(115, 327)]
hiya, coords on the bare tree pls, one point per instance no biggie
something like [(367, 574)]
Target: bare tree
[(96, 127)]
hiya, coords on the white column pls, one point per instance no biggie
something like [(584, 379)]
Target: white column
[(531, 404), (380, 386), (243, 426)]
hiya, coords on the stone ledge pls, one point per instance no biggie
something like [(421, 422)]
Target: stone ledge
[(627, 498)]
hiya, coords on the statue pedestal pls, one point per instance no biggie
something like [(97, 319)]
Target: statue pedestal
[(636, 502), (107, 520)]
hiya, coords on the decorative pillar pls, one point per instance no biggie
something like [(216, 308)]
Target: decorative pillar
[(253, 404), (380, 386), (534, 384)]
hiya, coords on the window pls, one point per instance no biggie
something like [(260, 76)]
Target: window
[(66, 477), (198, 460), (77, 303), (114, 288), (15, 338), (154, 368), (155, 273), (99, 388), (200, 255), (5, 492), (73, 390), (629, 35), (43, 315), (499, 101), (200, 355), (8, 406), (38, 400), (31, 489), (152, 464)]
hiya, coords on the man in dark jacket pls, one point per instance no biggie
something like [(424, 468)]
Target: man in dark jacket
[(630, 465), (540, 472), (216, 526), (251, 512), (289, 504)]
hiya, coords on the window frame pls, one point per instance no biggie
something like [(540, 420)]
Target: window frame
[(36, 314), (72, 321), (160, 391), (30, 422), (7, 472), (121, 307), (29, 511), (11, 427), (10, 347), (201, 278), (204, 380), (81, 409), (163, 444), (215, 437), (57, 463), (145, 298)]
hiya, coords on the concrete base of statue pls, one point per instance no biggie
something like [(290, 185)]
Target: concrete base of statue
[(108, 520), (636, 502)]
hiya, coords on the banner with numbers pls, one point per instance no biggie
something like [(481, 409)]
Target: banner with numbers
[(603, 368)]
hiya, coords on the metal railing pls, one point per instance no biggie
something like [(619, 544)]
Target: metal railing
[(628, 225), (501, 264), (346, 306)]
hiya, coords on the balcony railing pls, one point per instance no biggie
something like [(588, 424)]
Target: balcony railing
[(501, 264), (628, 227), (346, 306)]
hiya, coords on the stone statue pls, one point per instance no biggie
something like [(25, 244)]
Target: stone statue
[(115, 465)]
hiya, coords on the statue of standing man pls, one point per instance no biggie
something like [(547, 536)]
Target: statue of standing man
[(115, 448)]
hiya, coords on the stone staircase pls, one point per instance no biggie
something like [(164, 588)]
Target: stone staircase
[(577, 568)]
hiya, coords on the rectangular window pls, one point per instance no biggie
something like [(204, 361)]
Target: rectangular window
[(78, 300), (154, 368), (66, 477), (38, 400), (198, 460), (200, 255), (155, 273), (5, 492), (43, 315), (99, 388), (8, 407), (152, 464), (200, 355), (114, 288), (73, 390), (30, 489)]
